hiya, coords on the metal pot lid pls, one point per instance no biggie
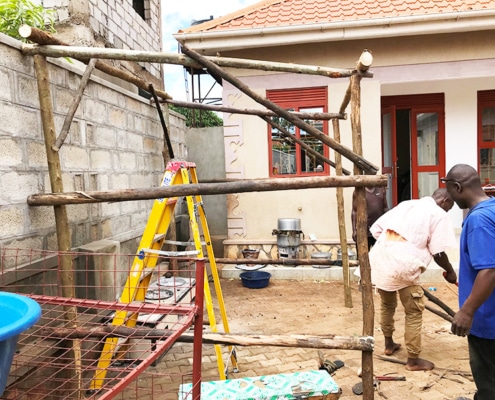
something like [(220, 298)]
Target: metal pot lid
[(289, 224)]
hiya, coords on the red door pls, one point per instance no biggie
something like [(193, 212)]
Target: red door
[(413, 145)]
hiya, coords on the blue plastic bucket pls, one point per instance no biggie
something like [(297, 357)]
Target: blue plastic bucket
[(17, 314)]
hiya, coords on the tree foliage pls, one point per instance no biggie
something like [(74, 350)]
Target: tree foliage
[(198, 118), (14, 13)]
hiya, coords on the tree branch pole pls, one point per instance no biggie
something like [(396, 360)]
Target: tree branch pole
[(341, 218), (361, 343), (283, 261), (54, 48), (73, 107), (443, 315), (252, 111), (61, 218), (439, 303), (242, 186), (362, 239), (358, 160), (166, 137), (301, 143), (43, 38)]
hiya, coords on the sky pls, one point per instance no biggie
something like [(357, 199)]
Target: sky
[(178, 14)]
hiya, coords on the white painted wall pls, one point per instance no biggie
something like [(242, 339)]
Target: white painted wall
[(460, 82), (254, 215)]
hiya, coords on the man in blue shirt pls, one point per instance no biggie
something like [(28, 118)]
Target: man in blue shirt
[(476, 316)]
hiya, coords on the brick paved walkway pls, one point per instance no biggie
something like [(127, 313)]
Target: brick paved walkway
[(312, 307)]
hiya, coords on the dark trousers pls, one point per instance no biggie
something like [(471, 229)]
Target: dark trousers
[(482, 362)]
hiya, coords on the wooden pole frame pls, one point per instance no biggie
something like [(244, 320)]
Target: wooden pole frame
[(193, 59)]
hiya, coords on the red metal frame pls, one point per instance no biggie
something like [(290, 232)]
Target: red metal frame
[(44, 363)]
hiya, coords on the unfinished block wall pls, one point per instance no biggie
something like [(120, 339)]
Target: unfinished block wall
[(112, 24), (115, 142)]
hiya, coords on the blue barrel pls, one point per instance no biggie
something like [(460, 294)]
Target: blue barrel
[(18, 313)]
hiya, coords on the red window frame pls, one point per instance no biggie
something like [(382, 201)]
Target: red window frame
[(298, 100), (486, 99)]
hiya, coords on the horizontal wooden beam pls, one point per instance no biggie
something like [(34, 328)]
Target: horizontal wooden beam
[(247, 111), (284, 261), (241, 186), (45, 39), (361, 343), (53, 49)]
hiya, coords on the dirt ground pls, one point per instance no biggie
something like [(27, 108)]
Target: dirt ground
[(317, 308)]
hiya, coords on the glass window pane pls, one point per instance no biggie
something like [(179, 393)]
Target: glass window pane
[(387, 150), (283, 148), (488, 124), (487, 166), (309, 161), (427, 183), (427, 138)]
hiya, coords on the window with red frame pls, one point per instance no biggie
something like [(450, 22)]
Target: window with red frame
[(486, 136), (288, 158)]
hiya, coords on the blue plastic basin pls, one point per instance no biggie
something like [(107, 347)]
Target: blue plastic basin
[(255, 279), (17, 314)]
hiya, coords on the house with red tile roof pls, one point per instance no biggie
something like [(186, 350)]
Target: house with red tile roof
[(429, 104)]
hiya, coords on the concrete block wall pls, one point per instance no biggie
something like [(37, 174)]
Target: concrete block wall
[(115, 142), (111, 24)]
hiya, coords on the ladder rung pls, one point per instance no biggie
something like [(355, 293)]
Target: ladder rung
[(182, 243), (171, 253), (161, 236)]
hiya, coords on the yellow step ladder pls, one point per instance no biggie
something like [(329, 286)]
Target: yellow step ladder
[(136, 286)]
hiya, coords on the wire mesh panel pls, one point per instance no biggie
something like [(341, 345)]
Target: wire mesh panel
[(58, 358)]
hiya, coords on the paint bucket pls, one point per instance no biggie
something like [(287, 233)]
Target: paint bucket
[(18, 313)]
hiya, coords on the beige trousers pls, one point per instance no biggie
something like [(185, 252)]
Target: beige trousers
[(412, 299)]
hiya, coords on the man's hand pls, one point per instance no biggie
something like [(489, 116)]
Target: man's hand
[(450, 276), (354, 237), (461, 324)]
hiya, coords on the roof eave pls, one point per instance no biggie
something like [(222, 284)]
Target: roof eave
[(211, 42)]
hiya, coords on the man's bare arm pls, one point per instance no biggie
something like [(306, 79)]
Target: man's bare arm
[(483, 287)]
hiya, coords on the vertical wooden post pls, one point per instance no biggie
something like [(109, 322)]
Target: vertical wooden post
[(341, 219), (362, 240), (61, 219)]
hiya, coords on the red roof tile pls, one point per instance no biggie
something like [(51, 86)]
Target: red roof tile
[(273, 13)]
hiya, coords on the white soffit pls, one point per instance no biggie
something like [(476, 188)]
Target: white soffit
[(427, 24)]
